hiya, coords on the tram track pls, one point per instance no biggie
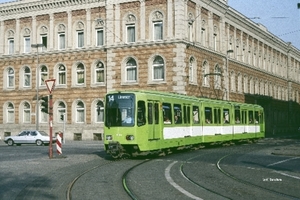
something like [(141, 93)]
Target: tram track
[(72, 183), (200, 185), (128, 190)]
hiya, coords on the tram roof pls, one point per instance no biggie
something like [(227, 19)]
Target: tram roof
[(183, 97)]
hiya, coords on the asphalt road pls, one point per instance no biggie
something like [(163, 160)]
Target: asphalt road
[(26, 172)]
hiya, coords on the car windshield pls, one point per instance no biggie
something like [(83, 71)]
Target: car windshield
[(43, 133), (119, 110)]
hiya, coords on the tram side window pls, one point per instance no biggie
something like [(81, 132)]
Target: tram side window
[(177, 114), (141, 118), (251, 120), (217, 115), (150, 111), (208, 115), (257, 117), (244, 117), (226, 116), (196, 118), (186, 115), (237, 115), (167, 113), (156, 113)]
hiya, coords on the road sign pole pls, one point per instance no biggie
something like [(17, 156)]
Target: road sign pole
[(50, 125), (50, 86)]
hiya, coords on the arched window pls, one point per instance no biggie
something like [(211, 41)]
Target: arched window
[(27, 77), (61, 112), (80, 74), (80, 112), (10, 113), (232, 81), (192, 70), (99, 112), (217, 77), (205, 70), (131, 70), (43, 75), (26, 113), (239, 87), (245, 84), (99, 73), (158, 69), (10, 78), (61, 75)]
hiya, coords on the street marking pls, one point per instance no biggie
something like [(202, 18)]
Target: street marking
[(284, 174), (180, 189), (282, 161)]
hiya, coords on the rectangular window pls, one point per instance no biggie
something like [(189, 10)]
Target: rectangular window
[(167, 113), (11, 46), (251, 120), (131, 73), (44, 42), (186, 114), (196, 115), (158, 30), (208, 115), (150, 111), (62, 78), (61, 41), (237, 115), (99, 114), (10, 116), (244, 117), (226, 116), (26, 44), (26, 116), (80, 39), (100, 37), (130, 33), (177, 114), (217, 115), (80, 115)]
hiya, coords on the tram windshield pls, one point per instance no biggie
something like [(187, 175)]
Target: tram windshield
[(119, 110)]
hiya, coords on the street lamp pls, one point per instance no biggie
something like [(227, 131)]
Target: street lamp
[(37, 85)]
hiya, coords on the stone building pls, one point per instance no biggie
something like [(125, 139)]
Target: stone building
[(90, 47)]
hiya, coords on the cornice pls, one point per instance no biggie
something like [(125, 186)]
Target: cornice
[(18, 7)]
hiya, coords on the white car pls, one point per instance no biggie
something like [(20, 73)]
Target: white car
[(29, 137)]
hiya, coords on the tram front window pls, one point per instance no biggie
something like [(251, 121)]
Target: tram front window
[(119, 110)]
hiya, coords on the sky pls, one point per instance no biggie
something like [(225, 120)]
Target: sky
[(281, 17)]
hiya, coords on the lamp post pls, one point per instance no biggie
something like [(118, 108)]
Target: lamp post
[(227, 75), (37, 86)]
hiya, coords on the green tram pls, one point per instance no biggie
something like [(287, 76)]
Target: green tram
[(144, 122)]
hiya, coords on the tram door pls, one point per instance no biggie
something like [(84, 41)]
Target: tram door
[(153, 120)]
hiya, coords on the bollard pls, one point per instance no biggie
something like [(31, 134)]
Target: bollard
[(58, 143)]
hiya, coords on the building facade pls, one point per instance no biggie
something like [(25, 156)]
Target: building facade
[(90, 47)]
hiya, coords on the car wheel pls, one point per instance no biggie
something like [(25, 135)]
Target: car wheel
[(10, 142), (39, 143)]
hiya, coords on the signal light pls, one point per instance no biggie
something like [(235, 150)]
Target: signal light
[(45, 104)]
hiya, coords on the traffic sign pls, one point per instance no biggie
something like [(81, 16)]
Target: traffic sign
[(50, 83)]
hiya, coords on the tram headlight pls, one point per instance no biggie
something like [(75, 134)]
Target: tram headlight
[(108, 137), (129, 137)]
